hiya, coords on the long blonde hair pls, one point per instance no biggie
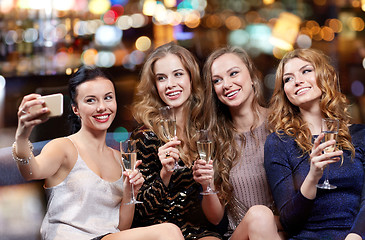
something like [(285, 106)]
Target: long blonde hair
[(220, 120), (147, 100), (285, 117)]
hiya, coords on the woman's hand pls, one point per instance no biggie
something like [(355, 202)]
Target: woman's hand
[(169, 154), (133, 177), (320, 159), (28, 119), (318, 162), (203, 172)]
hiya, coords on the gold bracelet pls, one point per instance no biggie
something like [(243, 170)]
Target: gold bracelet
[(22, 161)]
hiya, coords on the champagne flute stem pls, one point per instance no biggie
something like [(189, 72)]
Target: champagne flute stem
[(132, 189), (327, 173)]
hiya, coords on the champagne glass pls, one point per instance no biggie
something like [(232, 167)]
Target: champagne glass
[(205, 150), (330, 129), (168, 123), (129, 159)]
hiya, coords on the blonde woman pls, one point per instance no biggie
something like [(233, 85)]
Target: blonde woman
[(170, 76), (306, 91)]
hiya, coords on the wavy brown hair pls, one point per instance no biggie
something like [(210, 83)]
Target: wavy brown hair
[(219, 119), (285, 117), (147, 101)]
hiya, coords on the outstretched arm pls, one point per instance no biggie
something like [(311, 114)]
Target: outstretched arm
[(49, 161)]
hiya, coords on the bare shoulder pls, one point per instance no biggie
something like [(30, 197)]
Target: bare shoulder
[(117, 154), (62, 147)]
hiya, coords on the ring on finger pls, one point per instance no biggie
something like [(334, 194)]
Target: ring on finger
[(24, 112), (167, 154)]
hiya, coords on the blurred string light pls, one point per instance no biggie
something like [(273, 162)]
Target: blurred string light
[(119, 2), (180, 34), (285, 31), (61, 60), (110, 17), (30, 35), (6, 6), (120, 134), (11, 37), (233, 22), (124, 22), (335, 24), (192, 20), (173, 13), (137, 57), (108, 36), (99, 6), (143, 43), (356, 24), (363, 5), (88, 56), (213, 21), (170, 3), (238, 38), (63, 5), (304, 41), (68, 71), (104, 59), (327, 34), (259, 33), (149, 7), (138, 20)]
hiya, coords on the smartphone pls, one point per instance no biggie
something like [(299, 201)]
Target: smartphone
[(53, 102)]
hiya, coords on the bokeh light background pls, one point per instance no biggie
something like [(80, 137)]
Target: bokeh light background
[(42, 42)]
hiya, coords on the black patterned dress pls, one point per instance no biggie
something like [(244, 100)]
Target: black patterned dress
[(178, 203)]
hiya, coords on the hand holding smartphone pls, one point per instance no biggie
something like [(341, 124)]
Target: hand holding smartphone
[(53, 102)]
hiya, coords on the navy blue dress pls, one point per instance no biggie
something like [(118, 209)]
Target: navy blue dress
[(333, 213)]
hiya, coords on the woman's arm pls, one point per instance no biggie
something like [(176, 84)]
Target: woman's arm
[(294, 208), (47, 163)]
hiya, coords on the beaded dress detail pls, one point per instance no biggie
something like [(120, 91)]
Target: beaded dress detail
[(178, 203), (248, 177)]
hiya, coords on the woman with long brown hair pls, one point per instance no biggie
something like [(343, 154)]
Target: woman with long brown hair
[(236, 115)]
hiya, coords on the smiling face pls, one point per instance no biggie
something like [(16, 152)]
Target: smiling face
[(172, 81), (232, 81), (300, 84), (96, 103)]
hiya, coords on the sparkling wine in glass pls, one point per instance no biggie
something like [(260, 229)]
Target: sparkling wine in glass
[(168, 124), (204, 145), (129, 159), (330, 129)]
